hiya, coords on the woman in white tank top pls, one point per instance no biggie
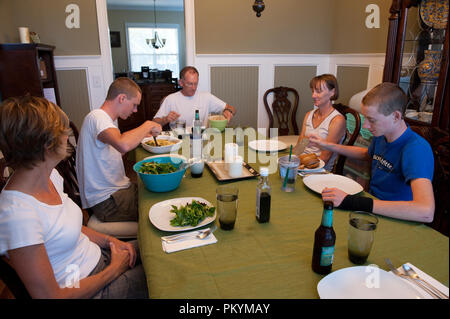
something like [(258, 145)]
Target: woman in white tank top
[(324, 119)]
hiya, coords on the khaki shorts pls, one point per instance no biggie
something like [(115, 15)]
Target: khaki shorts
[(120, 206)]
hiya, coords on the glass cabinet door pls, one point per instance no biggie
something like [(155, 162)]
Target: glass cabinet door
[(422, 53)]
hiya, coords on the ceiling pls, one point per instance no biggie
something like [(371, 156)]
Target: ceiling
[(176, 5)]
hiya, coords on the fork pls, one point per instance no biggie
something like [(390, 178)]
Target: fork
[(417, 283), (200, 235), (412, 273)]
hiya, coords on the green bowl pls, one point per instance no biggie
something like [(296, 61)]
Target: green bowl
[(218, 124)]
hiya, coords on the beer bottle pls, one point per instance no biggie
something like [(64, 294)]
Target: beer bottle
[(263, 191), (324, 240)]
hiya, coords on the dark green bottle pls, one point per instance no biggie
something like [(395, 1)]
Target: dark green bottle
[(324, 241)]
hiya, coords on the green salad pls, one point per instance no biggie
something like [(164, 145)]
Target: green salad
[(191, 214), (157, 168)]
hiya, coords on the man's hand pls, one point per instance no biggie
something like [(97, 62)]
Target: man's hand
[(334, 195), (172, 116), (155, 129), (228, 114)]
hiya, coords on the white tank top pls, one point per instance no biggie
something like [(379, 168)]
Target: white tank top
[(322, 131)]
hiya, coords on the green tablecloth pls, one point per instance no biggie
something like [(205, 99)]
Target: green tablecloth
[(271, 260)]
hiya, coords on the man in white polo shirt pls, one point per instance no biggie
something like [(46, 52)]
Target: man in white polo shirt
[(104, 187), (182, 104)]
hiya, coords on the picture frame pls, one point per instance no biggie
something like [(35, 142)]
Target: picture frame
[(115, 39)]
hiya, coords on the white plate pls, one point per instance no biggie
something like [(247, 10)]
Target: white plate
[(267, 145), (160, 215), (287, 139), (318, 182), (161, 149), (365, 282), (318, 168)]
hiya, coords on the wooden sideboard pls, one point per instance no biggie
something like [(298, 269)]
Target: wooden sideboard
[(152, 96)]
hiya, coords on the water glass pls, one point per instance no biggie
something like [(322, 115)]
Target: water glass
[(227, 203), (178, 127), (196, 167), (291, 167), (361, 232)]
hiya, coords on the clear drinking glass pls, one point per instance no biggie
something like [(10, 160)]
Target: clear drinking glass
[(361, 232), (227, 203), (288, 185)]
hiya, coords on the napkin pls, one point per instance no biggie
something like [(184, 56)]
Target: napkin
[(425, 277), (187, 243)]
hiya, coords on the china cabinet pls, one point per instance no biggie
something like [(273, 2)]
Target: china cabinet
[(28, 69), (417, 58)]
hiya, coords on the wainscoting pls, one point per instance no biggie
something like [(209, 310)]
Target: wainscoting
[(355, 73)]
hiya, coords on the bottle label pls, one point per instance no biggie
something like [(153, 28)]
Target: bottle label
[(326, 257), (327, 218)]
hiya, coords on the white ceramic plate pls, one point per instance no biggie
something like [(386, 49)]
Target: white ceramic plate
[(365, 282), (318, 168), (318, 182), (160, 215), (287, 139), (161, 149), (267, 145)]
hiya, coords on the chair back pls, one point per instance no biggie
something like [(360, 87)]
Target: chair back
[(4, 173), (283, 109), (439, 141), (66, 169), (9, 276), (350, 137)]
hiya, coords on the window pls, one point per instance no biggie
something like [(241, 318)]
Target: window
[(142, 54)]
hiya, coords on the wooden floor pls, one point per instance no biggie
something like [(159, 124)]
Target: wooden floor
[(5, 293)]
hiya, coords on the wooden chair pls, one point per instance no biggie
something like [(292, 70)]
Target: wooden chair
[(350, 138), (7, 274), (284, 110), (439, 141)]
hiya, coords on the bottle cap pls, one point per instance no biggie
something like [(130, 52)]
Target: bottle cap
[(264, 171)]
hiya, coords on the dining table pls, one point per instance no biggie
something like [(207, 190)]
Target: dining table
[(269, 260)]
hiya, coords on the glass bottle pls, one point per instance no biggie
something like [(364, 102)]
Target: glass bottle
[(263, 195), (324, 241), (197, 136)]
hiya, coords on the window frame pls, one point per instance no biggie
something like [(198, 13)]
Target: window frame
[(152, 26)]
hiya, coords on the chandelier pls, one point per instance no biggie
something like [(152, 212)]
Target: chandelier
[(156, 42)]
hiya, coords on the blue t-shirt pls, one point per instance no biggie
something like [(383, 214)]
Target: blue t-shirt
[(395, 164)]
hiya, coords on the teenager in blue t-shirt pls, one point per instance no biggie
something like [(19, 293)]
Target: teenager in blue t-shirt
[(402, 161)]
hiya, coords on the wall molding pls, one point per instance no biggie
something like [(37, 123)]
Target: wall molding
[(266, 63)]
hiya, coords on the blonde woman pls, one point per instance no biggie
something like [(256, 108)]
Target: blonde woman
[(41, 232), (324, 119)]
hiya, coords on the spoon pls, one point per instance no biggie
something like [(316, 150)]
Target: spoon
[(401, 275), (201, 235), (411, 273)]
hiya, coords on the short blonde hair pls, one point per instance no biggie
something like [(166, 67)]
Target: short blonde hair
[(330, 82), (30, 126), (123, 86)]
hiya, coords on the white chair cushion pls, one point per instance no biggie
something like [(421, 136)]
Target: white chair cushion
[(116, 229)]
